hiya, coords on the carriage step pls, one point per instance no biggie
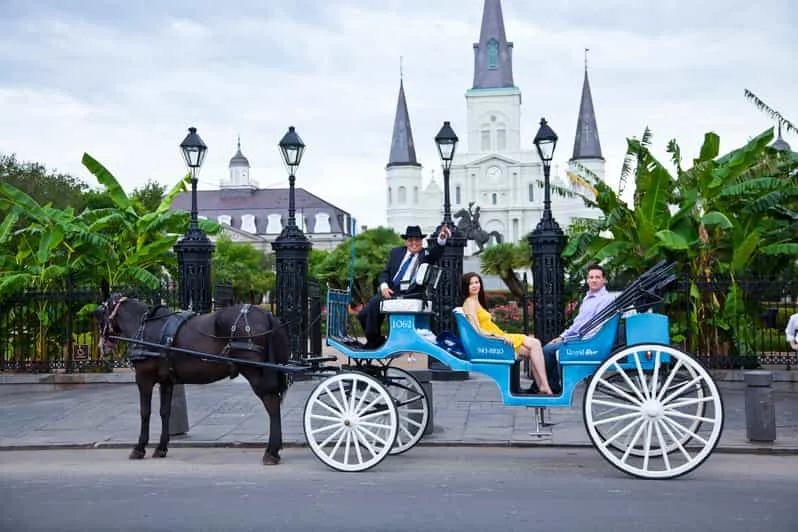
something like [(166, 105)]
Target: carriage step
[(540, 423)]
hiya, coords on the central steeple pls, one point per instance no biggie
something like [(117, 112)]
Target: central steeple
[(493, 55)]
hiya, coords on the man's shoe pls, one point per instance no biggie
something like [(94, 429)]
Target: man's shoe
[(375, 343)]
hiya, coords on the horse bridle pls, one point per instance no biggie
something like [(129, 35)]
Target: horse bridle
[(107, 326)]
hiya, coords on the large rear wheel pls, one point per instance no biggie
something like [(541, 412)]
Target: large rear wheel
[(658, 416)]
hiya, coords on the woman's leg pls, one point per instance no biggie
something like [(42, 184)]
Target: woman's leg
[(537, 364)]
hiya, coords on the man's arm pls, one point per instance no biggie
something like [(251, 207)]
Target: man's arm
[(433, 255), (385, 276)]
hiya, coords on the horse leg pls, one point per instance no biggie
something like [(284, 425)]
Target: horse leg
[(272, 403), (145, 405), (166, 411)]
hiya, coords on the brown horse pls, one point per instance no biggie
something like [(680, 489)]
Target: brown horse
[(242, 332)]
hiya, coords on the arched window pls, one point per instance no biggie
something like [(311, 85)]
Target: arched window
[(415, 195), (485, 139), (493, 54), (390, 195), (457, 195), (401, 196), (493, 199)]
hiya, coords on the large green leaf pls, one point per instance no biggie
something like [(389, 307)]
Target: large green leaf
[(717, 218), (107, 179), (672, 240), (742, 253)]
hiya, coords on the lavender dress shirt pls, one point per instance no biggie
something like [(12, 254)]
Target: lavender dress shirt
[(591, 305)]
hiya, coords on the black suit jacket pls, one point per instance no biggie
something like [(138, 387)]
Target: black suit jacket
[(430, 255)]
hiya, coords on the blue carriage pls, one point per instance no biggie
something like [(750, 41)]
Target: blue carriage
[(649, 408)]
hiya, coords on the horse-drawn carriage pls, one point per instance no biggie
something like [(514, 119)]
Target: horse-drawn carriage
[(649, 408)]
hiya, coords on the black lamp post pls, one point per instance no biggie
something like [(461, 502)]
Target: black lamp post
[(451, 263), (292, 248), (194, 250), (547, 242)]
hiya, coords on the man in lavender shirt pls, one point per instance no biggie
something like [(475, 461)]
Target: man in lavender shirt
[(596, 299)]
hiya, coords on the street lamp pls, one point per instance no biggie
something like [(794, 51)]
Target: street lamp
[(291, 257), (448, 296), (194, 250), (446, 140), (547, 241)]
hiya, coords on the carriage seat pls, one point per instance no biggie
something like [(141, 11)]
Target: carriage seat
[(478, 348), (593, 349), (425, 279)]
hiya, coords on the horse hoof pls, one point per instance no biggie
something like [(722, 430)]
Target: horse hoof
[(135, 454), (159, 453), (270, 460)]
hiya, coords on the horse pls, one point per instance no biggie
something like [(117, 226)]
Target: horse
[(240, 331)]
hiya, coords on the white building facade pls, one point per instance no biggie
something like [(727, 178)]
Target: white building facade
[(492, 168)]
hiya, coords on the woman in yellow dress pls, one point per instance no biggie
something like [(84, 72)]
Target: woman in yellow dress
[(525, 346)]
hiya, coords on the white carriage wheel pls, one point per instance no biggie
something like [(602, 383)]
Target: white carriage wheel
[(670, 434), (608, 428), (350, 421), (412, 406)]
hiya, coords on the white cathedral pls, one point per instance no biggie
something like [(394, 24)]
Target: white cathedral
[(493, 169)]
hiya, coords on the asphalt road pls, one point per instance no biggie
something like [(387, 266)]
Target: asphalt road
[(458, 489)]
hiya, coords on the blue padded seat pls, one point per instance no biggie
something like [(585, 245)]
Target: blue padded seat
[(478, 347), (593, 349)]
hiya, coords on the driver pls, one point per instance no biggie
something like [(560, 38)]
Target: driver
[(402, 265)]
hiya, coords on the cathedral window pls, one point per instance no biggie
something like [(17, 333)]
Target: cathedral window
[(531, 192), (493, 199), (415, 195), (401, 195), (485, 135), (390, 195), (493, 54), (501, 139), (457, 195)]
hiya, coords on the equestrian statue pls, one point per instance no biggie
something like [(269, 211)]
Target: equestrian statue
[(468, 224)]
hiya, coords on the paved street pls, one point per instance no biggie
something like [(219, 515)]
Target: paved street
[(227, 413), (462, 489)]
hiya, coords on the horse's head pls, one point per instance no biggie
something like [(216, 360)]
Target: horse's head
[(107, 316)]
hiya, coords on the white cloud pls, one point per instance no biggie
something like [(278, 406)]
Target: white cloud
[(124, 84)]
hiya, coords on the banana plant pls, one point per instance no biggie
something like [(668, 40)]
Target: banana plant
[(143, 241)]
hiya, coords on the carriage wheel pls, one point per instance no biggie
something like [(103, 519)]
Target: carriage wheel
[(653, 424), (350, 422), (412, 406), (613, 420)]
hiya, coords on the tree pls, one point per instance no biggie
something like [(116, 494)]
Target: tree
[(149, 196), (249, 270), (502, 260), (371, 254), (43, 186)]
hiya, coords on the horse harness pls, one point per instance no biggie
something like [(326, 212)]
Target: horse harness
[(174, 322)]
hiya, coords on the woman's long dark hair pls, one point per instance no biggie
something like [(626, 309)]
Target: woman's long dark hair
[(464, 288)]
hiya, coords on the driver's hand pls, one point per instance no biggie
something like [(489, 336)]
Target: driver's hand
[(445, 231), (387, 293)]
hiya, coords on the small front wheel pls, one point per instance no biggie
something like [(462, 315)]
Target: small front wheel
[(350, 421)]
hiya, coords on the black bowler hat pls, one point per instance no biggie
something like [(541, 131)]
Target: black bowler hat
[(412, 231)]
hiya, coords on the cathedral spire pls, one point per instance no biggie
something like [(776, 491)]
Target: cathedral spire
[(403, 150), (586, 143), (493, 55)]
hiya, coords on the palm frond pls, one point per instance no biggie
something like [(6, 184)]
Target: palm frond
[(765, 108)]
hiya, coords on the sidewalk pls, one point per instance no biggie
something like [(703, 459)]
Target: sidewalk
[(227, 413)]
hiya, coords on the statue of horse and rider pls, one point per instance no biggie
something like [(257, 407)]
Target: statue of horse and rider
[(468, 224)]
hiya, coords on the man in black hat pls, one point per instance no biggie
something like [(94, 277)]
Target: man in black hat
[(402, 265)]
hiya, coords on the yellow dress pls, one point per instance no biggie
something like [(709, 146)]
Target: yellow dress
[(487, 326)]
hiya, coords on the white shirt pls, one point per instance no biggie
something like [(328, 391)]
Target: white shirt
[(792, 328)]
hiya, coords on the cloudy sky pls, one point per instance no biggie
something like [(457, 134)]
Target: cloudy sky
[(122, 80)]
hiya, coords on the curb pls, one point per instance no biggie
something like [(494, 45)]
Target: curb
[(772, 451), (128, 377)]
